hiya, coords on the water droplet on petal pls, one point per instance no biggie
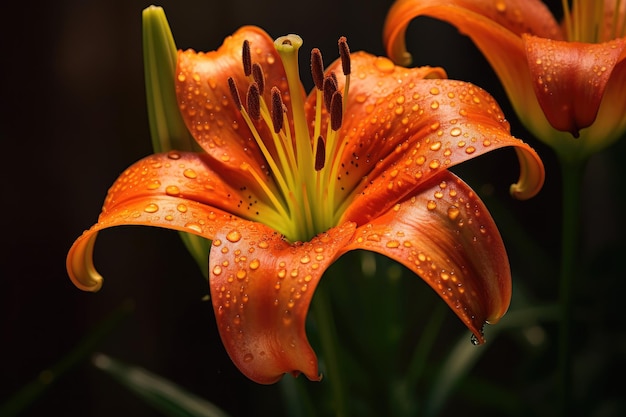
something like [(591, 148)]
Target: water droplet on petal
[(254, 264), (190, 173), (172, 190), (248, 357), (431, 205), (233, 236), (151, 208)]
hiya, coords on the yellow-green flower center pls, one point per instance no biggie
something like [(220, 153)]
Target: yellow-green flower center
[(304, 160), (594, 21)]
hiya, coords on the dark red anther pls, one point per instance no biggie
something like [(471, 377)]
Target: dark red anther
[(336, 111), (246, 58), (254, 102), (344, 53), (259, 78), (234, 92), (320, 153), (329, 88), (277, 110), (317, 68)]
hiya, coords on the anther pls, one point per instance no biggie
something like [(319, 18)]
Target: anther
[(259, 78), (336, 111), (254, 102), (344, 53), (234, 92), (246, 58), (320, 153), (277, 110), (317, 68), (329, 88)]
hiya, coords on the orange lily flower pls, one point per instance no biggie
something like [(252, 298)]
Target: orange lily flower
[(563, 80), (287, 183)]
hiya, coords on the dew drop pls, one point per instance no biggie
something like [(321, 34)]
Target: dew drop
[(154, 185), (233, 236), (182, 208), (287, 317), (431, 205), (172, 190), (151, 208), (194, 226), (217, 270), (384, 64), (254, 264), (453, 212), (470, 150), (173, 155), (248, 357), (456, 131), (241, 274), (190, 173), (393, 244)]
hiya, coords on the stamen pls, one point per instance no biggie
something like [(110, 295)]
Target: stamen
[(277, 111), (234, 92), (246, 58), (336, 111), (317, 68), (320, 154), (254, 102), (344, 53), (259, 77), (329, 87)]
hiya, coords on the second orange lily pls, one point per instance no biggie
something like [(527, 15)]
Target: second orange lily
[(287, 183), (563, 80)]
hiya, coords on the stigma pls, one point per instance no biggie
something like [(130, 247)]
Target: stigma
[(302, 147)]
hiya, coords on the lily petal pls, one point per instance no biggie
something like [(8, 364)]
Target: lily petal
[(261, 288), (570, 99), (496, 29), (402, 130), (482, 20), (207, 107), (446, 236), (176, 191)]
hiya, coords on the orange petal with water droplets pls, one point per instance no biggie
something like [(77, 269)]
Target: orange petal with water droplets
[(176, 191), (207, 106), (482, 20), (495, 27), (261, 288), (570, 78), (402, 130), (446, 236)]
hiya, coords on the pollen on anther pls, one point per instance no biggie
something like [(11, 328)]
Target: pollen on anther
[(246, 58), (336, 111), (344, 53), (234, 92), (320, 154), (259, 77), (277, 110), (253, 99), (317, 68)]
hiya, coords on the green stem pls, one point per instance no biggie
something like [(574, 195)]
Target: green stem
[(572, 174), (322, 311)]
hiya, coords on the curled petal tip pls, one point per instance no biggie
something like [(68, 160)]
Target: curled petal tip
[(79, 263), (532, 174)]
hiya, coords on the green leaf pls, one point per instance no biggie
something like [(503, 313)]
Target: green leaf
[(160, 393)]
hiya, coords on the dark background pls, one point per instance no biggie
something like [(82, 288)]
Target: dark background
[(74, 116)]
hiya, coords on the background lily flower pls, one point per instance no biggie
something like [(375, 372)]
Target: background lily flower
[(563, 80), (287, 183)]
